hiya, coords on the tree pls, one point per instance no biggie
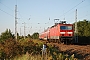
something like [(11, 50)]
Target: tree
[(84, 31), (18, 37), (29, 36), (84, 28), (35, 35), (6, 35)]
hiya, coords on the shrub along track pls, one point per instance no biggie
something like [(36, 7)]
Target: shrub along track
[(81, 52)]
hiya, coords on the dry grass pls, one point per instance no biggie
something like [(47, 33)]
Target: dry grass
[(28, 57)]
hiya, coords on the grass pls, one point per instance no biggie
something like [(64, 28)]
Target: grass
[(28, 57)]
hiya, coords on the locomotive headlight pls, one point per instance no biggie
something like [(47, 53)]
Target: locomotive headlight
[(69, 32), (62, 32)]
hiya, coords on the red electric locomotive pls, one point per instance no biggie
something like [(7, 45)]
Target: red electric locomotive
[(60, 32)]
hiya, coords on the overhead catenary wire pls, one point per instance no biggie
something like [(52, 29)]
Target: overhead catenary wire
[(21, 17), (72, 8), (7, 6), (87, 14), (6, 13), (9, 9)]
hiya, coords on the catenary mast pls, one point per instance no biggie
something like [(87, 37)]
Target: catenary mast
[(16, 22), (76, 30)]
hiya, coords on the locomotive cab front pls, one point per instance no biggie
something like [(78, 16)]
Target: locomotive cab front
[(66, 33)]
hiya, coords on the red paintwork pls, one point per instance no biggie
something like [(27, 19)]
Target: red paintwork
[(66, 31), (55, 31)]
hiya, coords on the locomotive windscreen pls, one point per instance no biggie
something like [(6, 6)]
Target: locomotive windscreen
[(65, 27)]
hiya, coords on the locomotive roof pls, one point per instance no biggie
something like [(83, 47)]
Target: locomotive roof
[(59, 24), (56, 25)]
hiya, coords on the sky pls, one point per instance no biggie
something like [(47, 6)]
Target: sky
[(38, 15)]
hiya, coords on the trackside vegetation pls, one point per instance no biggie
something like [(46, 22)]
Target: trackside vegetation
[(83, 32), (30, 47), (29, 50)]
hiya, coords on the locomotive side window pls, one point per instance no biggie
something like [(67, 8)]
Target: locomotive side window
[(66, 27)]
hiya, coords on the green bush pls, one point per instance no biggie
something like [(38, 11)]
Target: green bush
[(6, 35)]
